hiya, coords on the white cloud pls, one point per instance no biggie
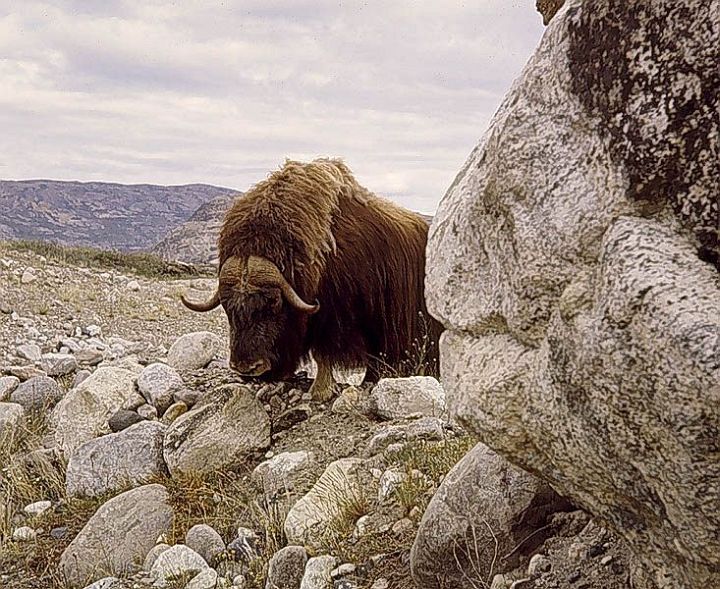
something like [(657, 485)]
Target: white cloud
[(223, 92)]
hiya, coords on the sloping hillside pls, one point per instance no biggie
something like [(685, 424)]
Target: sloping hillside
[(99, 214), (195, 240)]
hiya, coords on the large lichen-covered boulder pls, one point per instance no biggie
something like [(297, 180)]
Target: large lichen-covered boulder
[(574, 261), (118, 536), (219, 433), (84, 413), (485, 515)]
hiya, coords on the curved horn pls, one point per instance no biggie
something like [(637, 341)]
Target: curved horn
[(268, 273), (202, 307)]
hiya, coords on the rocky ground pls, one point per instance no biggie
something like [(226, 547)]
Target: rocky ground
[(131, 457)]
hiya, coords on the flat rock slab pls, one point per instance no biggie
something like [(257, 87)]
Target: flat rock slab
[(117, 461)]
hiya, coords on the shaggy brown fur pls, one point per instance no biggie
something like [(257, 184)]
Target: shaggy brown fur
[(361, 257)]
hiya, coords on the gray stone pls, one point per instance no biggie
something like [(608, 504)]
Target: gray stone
[(58, 364), (204, 540), (29, 352), (218, 433), (12, 417), (89, 357), (80, 376), (147, 411), (123, 419), (84, 412), (286, 568), (59, 533), (193, 350), (187, 396), (281, 473), (24, 372), (317, 573), (37, 394), (118, 536), (425, 428), (176, 561), (399, 397), (575, 261), (117, 461), (158, 383), (324, 506), (484, 507), (7, 385)]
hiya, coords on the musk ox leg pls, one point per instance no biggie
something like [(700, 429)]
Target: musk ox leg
[(323, 387)]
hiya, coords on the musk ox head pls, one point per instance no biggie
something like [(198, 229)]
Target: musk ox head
[(267, 317)]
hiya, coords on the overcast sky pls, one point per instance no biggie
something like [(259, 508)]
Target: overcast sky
[(223, 92)]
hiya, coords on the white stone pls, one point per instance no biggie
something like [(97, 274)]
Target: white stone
[(280, 472), (24, 534), (83, 413), (193, 350), (157, 383), (538, 565), (345, 480), (37, 508), (317, 572), (390, 481), (28, 276), (206, 579), (400, 397), (93, 330), (175, 561), (107, 583)]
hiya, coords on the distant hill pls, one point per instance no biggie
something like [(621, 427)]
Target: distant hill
[(195, 240), (99, 214)]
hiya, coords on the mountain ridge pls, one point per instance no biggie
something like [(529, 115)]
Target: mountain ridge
[(107, 215)]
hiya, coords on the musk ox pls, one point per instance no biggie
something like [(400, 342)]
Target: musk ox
[(313, 263)]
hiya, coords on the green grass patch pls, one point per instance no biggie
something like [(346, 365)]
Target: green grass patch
[(141, 264)]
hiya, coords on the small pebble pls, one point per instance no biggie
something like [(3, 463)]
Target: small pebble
[(37, 508), (59, 533), (24, 534)]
